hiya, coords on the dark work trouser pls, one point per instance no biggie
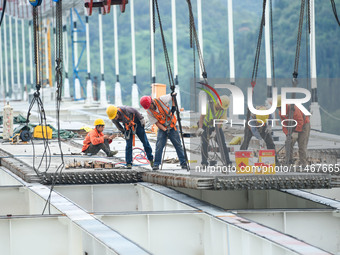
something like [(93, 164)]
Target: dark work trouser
[(140, 132), (205, 142), (265, 136), (94, 149)]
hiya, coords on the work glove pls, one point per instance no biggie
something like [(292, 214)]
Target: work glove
[(199, 131), (213, 134), (173, 94), (262, 143), (142, 122), (295, 136), (173, 109)]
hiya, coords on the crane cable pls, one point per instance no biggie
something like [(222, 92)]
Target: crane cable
[(256, 62), (3, 12), (295, 75), (194, 41), (170, 76), (335, 12), (59, 81)]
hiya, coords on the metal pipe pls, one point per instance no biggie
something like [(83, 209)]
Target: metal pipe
[(46, 24), (2, 85), (77, 92), (66, 63), (118, 92), (231, 42), (315, 108), (11, 51), (152, 44), (18, 95), (103, 100), (200, 30), (6, 59), (89, 96), (174, 45), (268, 51), (134, 94), (31, 51), (24, 58)]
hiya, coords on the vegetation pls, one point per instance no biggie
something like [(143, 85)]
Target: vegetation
[(247, 14)]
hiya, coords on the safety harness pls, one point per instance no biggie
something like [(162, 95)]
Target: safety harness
[(164, 116), (130, 126)]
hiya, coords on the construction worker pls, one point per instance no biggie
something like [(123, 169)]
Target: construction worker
[(300, 132), (95, 140), (206, 128), (159, 113), (133, 123), (260, 129)]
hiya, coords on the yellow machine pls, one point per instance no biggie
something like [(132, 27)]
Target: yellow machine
[(42, 132)]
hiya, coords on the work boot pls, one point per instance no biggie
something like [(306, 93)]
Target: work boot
[(155, 168), (128, 166), (184, 166), (112, 153), (151, 163)]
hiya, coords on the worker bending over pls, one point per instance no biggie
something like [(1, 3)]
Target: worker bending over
[(206, 128), (159, 113), (260, 129), (133, 123), (300, 131), (95, 140)]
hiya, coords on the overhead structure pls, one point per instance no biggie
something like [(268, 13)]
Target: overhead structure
[(30, 25), (103, 99), (11, 53), (118, 91), (268, 46), (67, 94), (231, 56), (2, 85), (134, 94), (6, 59), (174, 49), (18, 95), (152, 43), (200, 31), (25, 92), (75, 59), (315, 118), (89, 92)]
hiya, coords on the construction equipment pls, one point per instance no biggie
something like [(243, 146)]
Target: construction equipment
[(42, 132), (105, 5)]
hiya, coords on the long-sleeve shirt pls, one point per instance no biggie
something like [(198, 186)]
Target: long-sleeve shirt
[(128, 111), (298, 116), (93, 137), (166, 99)]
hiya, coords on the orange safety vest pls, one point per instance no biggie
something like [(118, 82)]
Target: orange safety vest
[(129, 124), (164, 116)]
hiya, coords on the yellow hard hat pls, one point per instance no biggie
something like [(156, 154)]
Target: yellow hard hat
[(225, 102), (99, 122), (278, 101), (111, 111)]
